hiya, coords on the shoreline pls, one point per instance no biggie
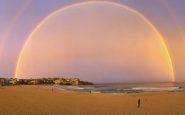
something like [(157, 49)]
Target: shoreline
[(105, 89), (72, 89)]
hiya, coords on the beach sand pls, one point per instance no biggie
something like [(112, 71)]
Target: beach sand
[(34, 100)]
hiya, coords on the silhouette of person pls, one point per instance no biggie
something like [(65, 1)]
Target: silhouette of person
[(138, 103)]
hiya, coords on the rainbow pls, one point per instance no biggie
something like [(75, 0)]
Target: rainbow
[(168, 57), (7, 32)]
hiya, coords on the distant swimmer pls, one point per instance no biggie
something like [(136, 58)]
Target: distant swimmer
[(138, 103)]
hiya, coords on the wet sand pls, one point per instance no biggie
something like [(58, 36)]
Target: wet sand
[(34, 100)]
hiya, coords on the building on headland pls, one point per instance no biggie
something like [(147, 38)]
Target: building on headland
[(9, 81), (69, 81), (13, 81), (3, 82)]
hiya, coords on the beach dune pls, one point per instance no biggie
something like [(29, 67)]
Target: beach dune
[(39, 100)]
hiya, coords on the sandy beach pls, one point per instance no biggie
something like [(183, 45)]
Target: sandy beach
[(34, 100)]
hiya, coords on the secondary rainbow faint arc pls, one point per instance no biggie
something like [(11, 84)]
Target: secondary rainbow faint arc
[(16, 75)]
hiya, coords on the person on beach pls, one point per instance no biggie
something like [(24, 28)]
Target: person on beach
[(138, 103)]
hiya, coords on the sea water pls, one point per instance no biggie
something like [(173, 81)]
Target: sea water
[(127, 87)]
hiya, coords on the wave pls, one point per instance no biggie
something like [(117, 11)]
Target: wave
[(125, 88)]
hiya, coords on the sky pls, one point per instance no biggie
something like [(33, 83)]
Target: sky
[(18, 18)]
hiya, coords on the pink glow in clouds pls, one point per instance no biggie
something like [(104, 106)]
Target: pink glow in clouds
[(96, 41)]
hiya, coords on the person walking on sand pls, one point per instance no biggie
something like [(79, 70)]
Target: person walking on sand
[(138, 103)]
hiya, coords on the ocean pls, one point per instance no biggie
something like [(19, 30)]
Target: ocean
[(127, 87)]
